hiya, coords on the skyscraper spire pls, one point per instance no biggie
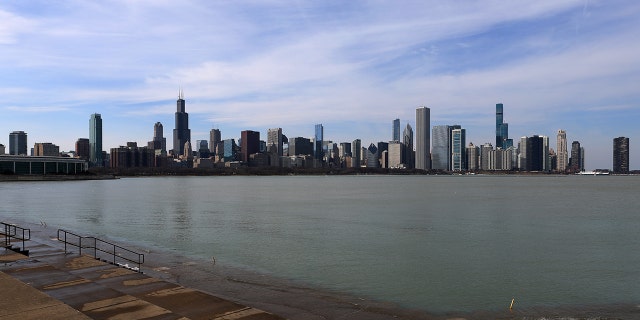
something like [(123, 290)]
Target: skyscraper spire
[(180, 93)]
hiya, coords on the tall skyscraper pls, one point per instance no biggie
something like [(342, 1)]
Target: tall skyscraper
[(18, 143), (356, 145), (214, 140), (473, 153), (502, 129), (396, 130), (250, 143), (181, 133), (95, 140), (407, 141), (423, 138), (317, 142), (274, 138), (621, 155), (575, 162), (158, 137), (562, 151), (458, 149), (441, 148)]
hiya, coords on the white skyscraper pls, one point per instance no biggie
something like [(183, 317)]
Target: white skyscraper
[(423, 138)]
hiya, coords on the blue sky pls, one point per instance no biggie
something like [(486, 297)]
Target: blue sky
[(353, 66)]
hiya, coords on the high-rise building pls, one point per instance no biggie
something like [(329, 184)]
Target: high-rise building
[(46, 149), (441, 147), (214, 140), (300, 146), (356, 145), (562, 151), (575, 162), (395, 155), (423, 139), (82, 148), (458, 149), (274, 138), (502, 129), (621, 155), (472, 155), (250, 143), (396, 130), (2, 147), (486, 161), (181, 133), (158, 137), (372, 156), (95, 140), (407, 142), (18, 143), (317, 150)]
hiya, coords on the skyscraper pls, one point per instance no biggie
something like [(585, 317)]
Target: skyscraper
[(214, 140), (356, 145), (423, 138), (407, 141), (181, 133), (576, 163), (158, 137), (250, 144), (18, 143), (317, 142), (441, 148), (95, 140), (621, 155), (458, 149), (473, 153), (83, 148), (274, 138), (502, 129), (562, 151), (396, 130)]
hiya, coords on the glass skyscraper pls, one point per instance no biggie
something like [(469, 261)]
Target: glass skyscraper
[(502, 129), (458, 149), (396, 130), (95, 140), (18, 143), (441, 147), (317, 150), (407, 142)]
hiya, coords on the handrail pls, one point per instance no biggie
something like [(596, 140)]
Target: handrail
[(11, 232), (98, 245)]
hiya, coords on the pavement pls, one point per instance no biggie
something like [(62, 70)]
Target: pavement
[(50, 283)]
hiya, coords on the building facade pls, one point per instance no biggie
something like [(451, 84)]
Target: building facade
[(95, 140), (458, 149), (356, 145), (562, 154), (18, 143), (575, 162), (441, 147), (621, 155), (407, 143), (249, 144), (181, 133), (317, 142), (395, 130), (46, 149), (423, 138), (274, 138)]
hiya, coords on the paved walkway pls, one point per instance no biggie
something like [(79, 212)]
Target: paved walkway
[(52, 284)]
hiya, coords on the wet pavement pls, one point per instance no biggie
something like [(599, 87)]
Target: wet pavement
[(52, 284)]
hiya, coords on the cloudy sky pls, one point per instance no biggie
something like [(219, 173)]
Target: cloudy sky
[(353, 66)]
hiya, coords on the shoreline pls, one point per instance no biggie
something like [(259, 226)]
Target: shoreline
[(299, 301)]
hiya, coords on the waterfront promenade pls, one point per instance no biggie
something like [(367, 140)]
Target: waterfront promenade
[(52, 284)]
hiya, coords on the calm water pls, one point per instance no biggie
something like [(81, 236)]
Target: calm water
[(431, 242)]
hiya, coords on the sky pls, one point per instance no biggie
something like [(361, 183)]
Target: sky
[(353, 66)]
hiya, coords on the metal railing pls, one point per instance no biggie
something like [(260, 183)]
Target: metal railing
[(101, 248), (12, 231)]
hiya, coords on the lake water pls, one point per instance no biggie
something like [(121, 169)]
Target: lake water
[(436, 243)]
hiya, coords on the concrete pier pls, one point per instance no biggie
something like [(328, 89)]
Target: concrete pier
[(52, 284)]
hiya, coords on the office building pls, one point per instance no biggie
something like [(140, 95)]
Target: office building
[(159, 141), (83, 149), (575, 162), (356, 147), (317, 150), (441, 147), (562, 155), (502, 129), (95, 141), (407, 141), (46, 149), (214, 141), (486, 160), (621, 155), (472, 155), (458, 150), (396, 130), (395, 155), (249, 144), (181, 133), (423, 138), (229, 150), (274, 138), (372, 157), (18, 143), (2, 147)]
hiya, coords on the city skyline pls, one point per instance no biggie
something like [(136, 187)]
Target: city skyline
[(352, 67)]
